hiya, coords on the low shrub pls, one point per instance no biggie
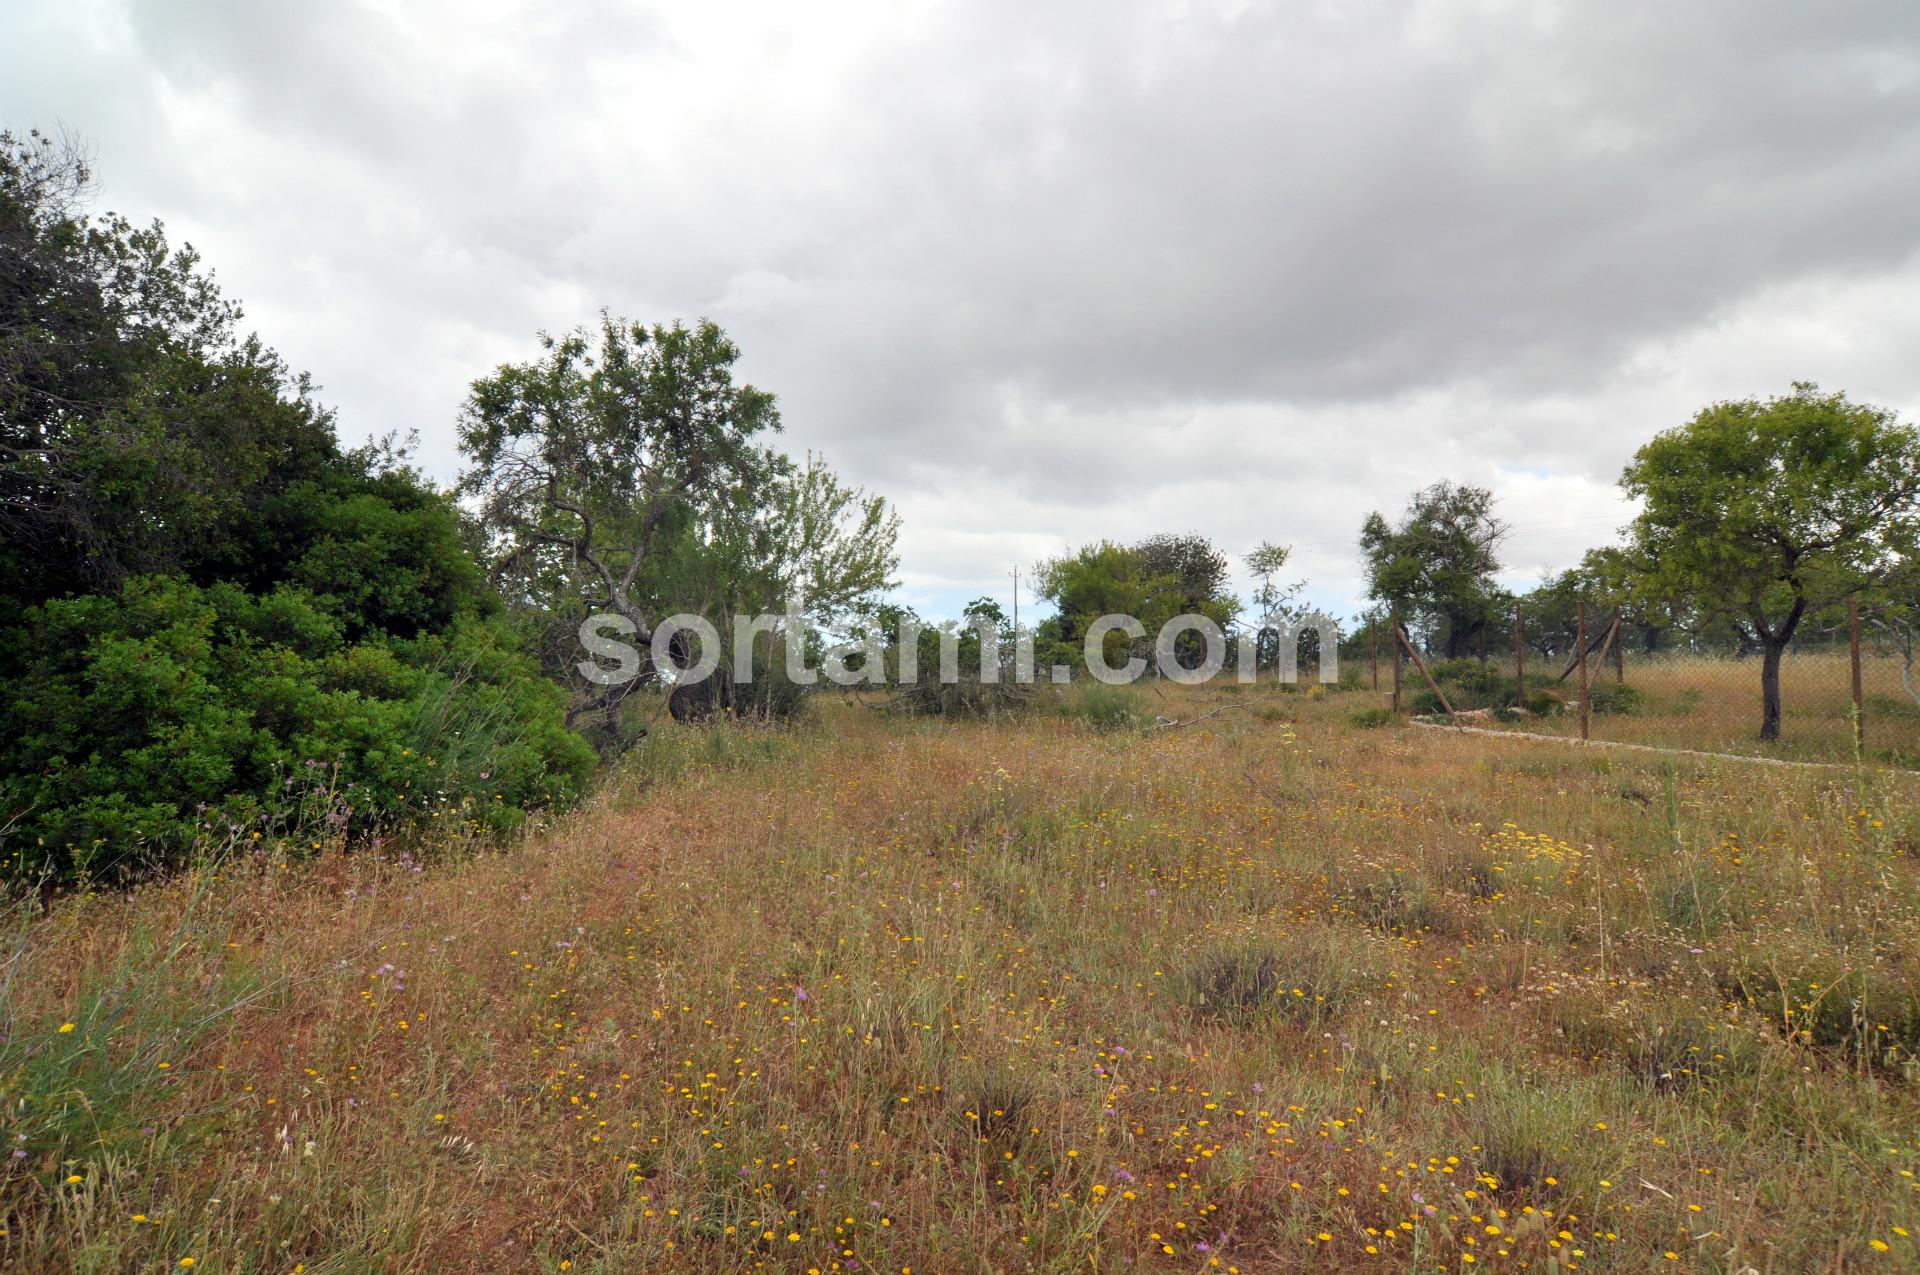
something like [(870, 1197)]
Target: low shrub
[(1544, 702), (1667, 1045), (1304, 977), (1107, 709), (1614, 699), (169, 718)]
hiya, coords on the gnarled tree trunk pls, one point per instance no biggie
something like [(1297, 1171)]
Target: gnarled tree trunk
[(1773, 644), (1770, 690)]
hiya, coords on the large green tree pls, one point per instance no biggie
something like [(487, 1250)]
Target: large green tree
[(1153, 581), (1438, 563), (627, 470), (1761, 511), (202, 594)]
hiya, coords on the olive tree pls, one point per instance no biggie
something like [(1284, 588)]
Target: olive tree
[(1761, 511), (1440, 561), (625, 470)]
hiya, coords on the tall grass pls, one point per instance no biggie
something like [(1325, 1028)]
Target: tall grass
[(1268, 993)]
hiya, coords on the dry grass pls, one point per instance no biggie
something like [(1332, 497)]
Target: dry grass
[(1713, 704), (1267, 994)]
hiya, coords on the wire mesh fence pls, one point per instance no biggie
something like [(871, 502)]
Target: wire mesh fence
[(1842, 691)]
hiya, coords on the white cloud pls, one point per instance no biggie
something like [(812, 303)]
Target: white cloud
[(1046, 274)]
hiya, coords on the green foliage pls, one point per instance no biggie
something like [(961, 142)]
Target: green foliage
[(1437, 566), (1161, 577), (1469, 684), (1758, 512), (216, 622), (168, 716), (625, 470), (1614, 698), (1544, 702), (1370, 718), (84, 1086), (1110, 708)]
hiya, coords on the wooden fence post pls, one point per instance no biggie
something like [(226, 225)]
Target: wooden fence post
[(1432, 685), (1853, 646), (1396, 663), (1580, 646)]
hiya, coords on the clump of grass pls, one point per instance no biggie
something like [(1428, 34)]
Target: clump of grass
[(1304, 977), (995, 1104), (1669, 1044), (1370, 718), (1862, 1010), (83, 1088), (1524, 1144), (1395, 902), (1109, 709)]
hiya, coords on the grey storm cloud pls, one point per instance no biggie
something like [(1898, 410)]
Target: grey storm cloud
[(1047, 273)]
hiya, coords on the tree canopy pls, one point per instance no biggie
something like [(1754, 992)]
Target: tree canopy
[(1762, 511), (1437, 565), (202, 594), (627, 470), (1153, 581)]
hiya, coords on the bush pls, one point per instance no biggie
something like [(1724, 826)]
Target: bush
[(1545, 702), (1469, 684), (1304, 977), (1110, 708), (1614, 698), (169, 716), (1369, 718)]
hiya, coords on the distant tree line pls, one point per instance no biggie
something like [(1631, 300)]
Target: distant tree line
[(1759, 520)]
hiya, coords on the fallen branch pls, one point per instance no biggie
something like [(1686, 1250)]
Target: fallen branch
[(1168, 723)]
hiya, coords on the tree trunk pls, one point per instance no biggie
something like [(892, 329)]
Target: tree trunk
[(1774, 640), (1770, 690)]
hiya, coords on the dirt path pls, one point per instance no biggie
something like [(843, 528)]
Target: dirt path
[(1650, 748)]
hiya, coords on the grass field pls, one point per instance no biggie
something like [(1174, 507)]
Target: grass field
[(1713, 704), (1271, 992)]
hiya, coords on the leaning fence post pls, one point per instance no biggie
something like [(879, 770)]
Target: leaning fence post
[(1580, 646), (1396, 663), (1619, 650), (1853, 648), (1401, 635)]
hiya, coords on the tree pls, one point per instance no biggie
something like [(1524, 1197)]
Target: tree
[(1098, 579), (137, 433), (1761, 511), (1189, 573), (1439, 563), (202, 595), (1153, 581), (625, 470), (1274, 604)]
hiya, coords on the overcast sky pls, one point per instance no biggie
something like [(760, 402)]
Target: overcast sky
[(1041, 274)]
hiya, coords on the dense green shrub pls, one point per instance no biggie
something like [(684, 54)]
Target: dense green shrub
[(168, 714), (1614, 698), (215, 622)]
